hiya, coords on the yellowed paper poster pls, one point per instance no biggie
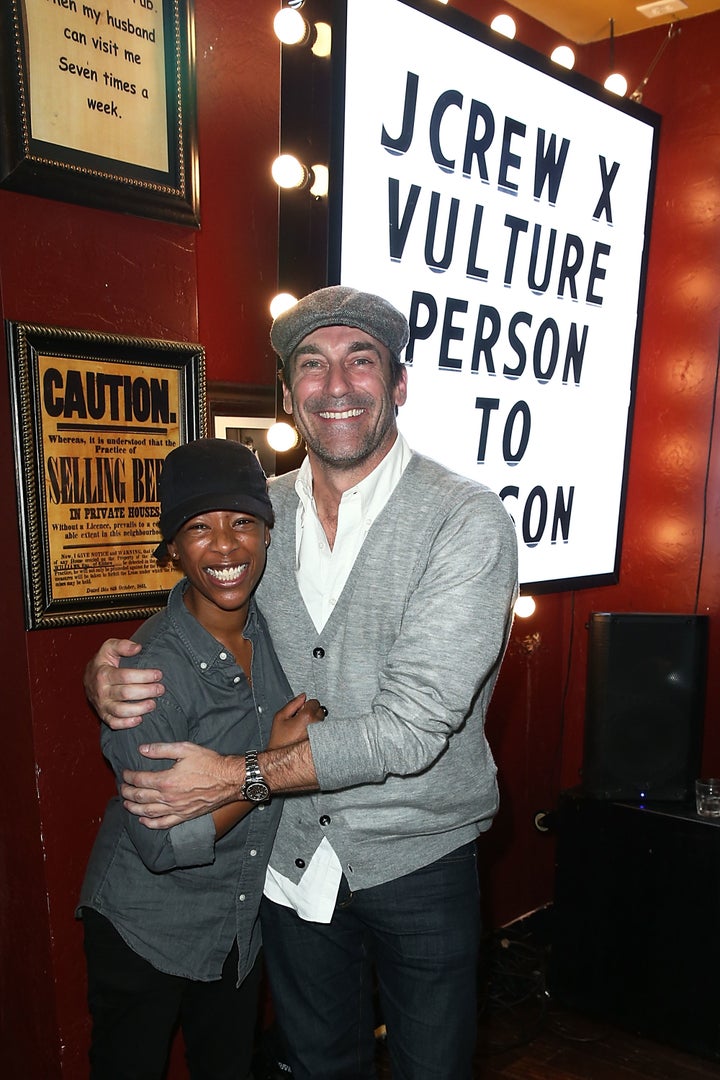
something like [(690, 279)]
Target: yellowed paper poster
[(106, 431), (97, 80)]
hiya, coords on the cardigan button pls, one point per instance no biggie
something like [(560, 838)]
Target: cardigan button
[(318, 653), (325, 819), (300, 863)]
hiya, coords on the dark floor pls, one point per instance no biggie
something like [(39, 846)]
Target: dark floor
[(524, 1035), (571, 1047), (566, 1046)]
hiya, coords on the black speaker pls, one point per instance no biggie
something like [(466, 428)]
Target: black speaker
[(645, 704)]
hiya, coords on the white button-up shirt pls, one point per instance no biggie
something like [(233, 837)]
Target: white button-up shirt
[(321, 575)]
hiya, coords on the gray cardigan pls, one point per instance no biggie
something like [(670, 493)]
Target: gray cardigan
[(406, 665)]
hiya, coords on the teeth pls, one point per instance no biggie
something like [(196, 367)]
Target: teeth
[(342, 415), (231, 573)]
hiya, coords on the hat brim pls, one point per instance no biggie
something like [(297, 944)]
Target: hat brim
[(171, 522)]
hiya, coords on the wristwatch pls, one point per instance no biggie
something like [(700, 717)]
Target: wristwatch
[(255, 789)]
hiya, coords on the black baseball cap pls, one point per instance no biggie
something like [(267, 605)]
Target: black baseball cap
[(205, 475)]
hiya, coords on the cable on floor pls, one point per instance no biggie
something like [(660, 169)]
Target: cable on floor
[(513, 993)]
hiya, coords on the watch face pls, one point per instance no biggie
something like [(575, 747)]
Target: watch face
[(257, 791)]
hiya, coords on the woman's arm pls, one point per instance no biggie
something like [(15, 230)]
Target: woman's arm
[(288, 727)]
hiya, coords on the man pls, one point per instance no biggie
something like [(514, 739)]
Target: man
[(388, 592)]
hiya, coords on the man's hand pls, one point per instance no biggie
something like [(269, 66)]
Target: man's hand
[(120, 696), (290, 723), (199, 782)]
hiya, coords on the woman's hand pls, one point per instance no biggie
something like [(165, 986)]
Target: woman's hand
[(290, 723)]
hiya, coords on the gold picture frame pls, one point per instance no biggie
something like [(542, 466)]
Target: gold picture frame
[(94, 416)]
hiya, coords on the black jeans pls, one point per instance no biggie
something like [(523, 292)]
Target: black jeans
[(136, 1009)]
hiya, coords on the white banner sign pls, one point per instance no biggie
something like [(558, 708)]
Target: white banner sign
[(504, 209)]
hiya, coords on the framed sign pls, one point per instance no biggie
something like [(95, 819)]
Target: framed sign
[(504, 205), (97, 104), (94, 417), (244, 414)]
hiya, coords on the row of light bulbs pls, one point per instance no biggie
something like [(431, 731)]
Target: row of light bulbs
[(562, 55), (292, 28)]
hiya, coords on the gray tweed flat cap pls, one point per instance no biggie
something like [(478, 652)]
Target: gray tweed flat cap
[(339, 305)]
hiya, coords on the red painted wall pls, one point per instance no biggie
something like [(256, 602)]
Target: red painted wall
[(74, 266), (671, 536)]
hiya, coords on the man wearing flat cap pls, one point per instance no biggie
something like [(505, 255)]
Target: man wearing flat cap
[(389, 592)]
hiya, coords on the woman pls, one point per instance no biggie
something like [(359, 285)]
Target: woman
[(171, 917)]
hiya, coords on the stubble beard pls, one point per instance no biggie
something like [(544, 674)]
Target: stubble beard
[(355, 453)]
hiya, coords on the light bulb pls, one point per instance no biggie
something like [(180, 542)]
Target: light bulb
[(616, 84), (290, 27), (282, 436), (322, 45), (282, 302), (287, 171), (564, 56), (524, 607), (503, 24), (321, 181)]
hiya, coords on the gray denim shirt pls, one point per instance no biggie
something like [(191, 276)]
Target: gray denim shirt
[(177, 896)]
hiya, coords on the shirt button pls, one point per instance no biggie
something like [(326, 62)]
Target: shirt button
[(300, 863), (318, 653), (236, 679), (203, 666), (241, 896), (223, 656), (325, 820), (253, 851)]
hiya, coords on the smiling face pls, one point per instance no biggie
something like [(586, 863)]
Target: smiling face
[(343, 398), (222, 553)]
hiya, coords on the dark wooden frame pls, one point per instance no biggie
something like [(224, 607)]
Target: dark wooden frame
[(243, 404), (234, 399), (56, 171)]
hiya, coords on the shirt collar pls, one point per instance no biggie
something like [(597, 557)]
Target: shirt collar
[(202, 646), (376, 484)]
